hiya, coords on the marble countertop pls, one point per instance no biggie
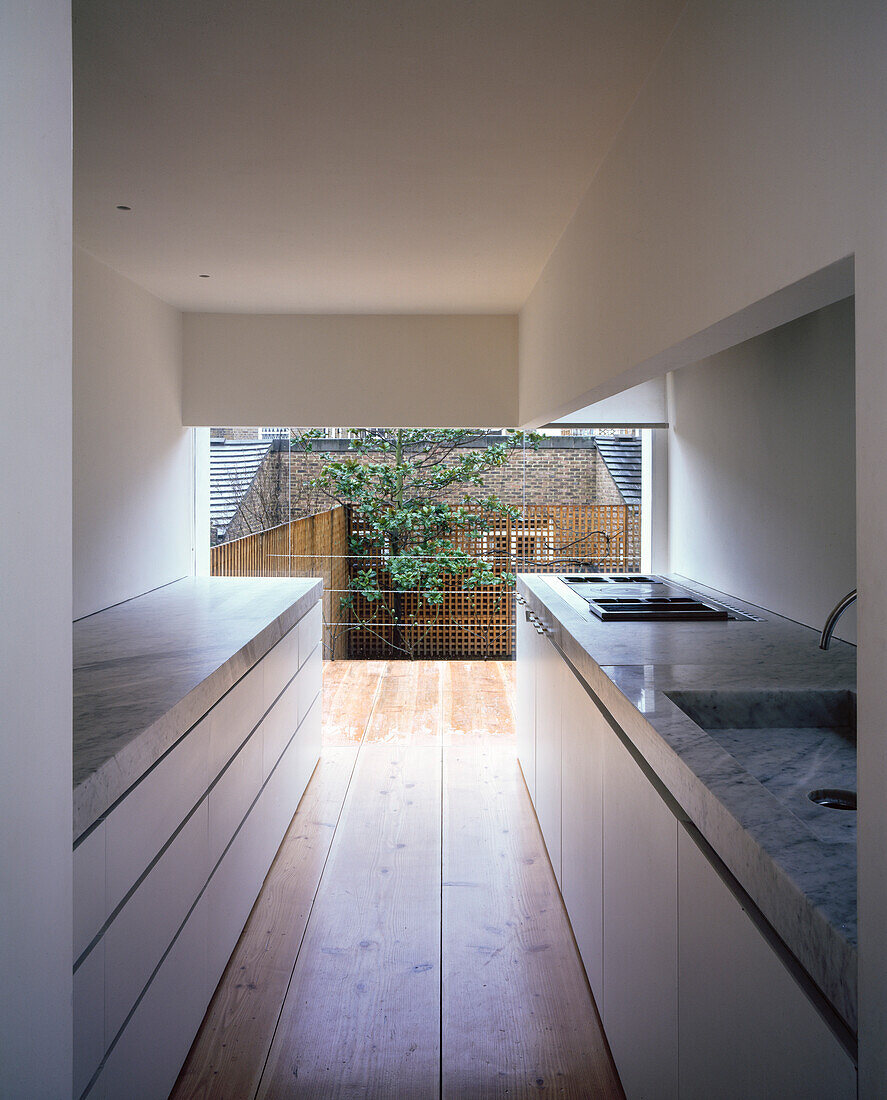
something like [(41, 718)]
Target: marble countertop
[(803, 884), (146, 670)]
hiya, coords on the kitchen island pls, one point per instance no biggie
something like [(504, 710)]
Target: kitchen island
[(196, 729), (673, 852)]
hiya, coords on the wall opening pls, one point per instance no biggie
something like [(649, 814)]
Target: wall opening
[(419, 533)]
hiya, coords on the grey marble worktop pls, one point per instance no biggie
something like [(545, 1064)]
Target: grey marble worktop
[(799, 871), (147, 670)]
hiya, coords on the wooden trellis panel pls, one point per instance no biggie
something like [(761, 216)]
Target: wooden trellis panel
[(559, 538), (467, 624), (542, 539)]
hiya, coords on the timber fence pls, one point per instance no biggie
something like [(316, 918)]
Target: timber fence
[(468, 622)]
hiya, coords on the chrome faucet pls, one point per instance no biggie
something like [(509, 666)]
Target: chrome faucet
[(831, 622)]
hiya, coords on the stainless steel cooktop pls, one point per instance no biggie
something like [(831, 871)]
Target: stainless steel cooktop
[(640, 597)]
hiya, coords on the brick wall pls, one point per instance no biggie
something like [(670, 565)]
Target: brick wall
[(234, 433), (564, 470)]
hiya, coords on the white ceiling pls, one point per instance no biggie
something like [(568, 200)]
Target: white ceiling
[(332, 156)]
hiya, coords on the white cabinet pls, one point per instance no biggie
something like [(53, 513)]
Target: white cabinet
[(232, 718), (540, 674), (583, 730), (550, 674), (308, 744), (165, 883), (640, 935), (279, 725), (527, 646), (695, 1001), (280, 665), (310, 631), (144, 1063), (231, 797), (747, 1028)]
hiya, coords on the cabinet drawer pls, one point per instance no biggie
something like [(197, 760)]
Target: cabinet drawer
[(640, 935), (138, 828), (144, 927), (232, 718), (233, 888), (146, 1061), (310, 681), (584, 732), (526, 700), (279, 725), (232, 796), (308, 744), (746, 1026), (287, 785), (310, 630), (89, 1017), (90, 901), (280, 665), (278, 805), (549, 692)]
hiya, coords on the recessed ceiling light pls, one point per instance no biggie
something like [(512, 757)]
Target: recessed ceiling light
[(203, 276), (124, 208)]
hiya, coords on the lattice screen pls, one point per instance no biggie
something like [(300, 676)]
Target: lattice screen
[(480, 623)]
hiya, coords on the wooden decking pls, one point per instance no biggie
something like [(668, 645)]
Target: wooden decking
[(409, 940)]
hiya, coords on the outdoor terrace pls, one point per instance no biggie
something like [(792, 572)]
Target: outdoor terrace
[(478, 623)]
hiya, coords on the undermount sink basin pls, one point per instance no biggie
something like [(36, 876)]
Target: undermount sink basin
[(794, 742), (777, 709)]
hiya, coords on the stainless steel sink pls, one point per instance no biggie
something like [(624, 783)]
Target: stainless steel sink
[(795, 742)]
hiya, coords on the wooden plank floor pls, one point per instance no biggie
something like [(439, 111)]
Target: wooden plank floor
[(409, 940)]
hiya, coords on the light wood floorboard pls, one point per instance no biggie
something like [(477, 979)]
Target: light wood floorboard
[(229, 1054), (518, 1019), (349, 695), (407, 710), (410, 940), (362, 1016)]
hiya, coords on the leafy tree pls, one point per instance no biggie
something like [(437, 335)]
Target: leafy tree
[(417, 506)]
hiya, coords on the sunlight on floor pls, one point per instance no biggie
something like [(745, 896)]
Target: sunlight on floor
[(418, 703)]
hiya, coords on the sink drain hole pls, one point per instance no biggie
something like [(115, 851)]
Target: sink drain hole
[(833, 798)]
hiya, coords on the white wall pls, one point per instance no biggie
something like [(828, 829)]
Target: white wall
[(35, 550), (746, 163), (133, 467), (639, 406), (762, 468), (445, 371), (202, 489)]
